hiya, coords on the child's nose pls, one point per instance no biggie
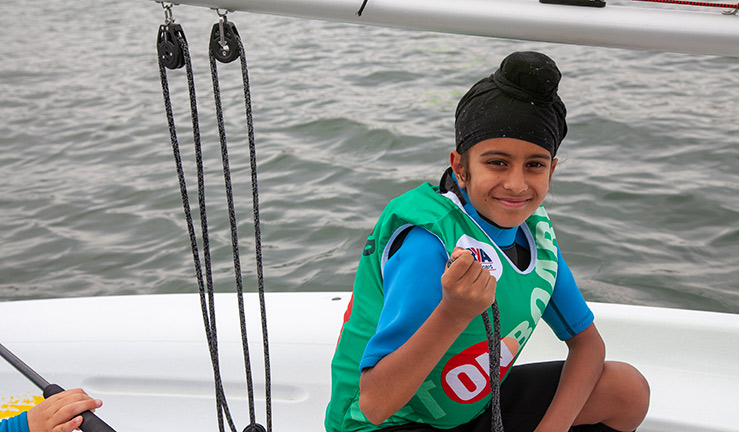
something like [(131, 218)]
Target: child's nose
[(516, 181)]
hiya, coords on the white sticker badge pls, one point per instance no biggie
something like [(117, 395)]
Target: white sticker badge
[(483, 253)]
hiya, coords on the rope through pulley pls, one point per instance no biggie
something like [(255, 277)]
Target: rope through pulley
[(173, 53), (228, 43)]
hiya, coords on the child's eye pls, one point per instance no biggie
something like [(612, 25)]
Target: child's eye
[(536, 165), (496, 162)]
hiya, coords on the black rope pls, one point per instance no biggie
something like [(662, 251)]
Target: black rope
[(232, 219), (234, 231), (207, 298), (257, 231), (170, 38), (493, 336)]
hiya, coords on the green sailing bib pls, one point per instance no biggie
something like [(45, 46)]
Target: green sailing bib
[(457, 389)]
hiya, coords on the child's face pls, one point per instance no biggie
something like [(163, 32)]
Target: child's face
[(506, 179)]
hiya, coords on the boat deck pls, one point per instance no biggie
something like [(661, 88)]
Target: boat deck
[(147, 358)]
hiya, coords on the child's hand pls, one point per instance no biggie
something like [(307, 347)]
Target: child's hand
[(468, 288), (61, 412)]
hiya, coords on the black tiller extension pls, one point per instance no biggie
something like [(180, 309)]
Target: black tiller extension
[(90, 422)]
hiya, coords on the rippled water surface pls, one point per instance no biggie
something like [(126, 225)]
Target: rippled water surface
[(645, 199)]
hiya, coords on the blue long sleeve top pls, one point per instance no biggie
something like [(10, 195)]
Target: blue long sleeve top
[(17, 423)]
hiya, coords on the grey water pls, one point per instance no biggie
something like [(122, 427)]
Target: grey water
[(645, 200)]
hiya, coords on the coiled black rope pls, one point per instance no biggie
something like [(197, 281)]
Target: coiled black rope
[(173, 54)]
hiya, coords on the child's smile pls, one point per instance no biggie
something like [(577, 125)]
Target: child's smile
[(506, 179)]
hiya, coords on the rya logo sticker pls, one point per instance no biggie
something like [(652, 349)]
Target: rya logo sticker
[(483, 253)]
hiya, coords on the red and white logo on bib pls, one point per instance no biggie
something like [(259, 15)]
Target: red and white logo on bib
[(466, 379), (483, 253)]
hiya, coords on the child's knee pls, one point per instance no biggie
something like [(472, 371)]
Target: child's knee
[(632, 388)]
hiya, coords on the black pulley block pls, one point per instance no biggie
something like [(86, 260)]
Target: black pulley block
[(168, 48), (224, 48)]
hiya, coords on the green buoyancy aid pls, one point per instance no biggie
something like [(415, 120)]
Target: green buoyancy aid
[(457, 390)]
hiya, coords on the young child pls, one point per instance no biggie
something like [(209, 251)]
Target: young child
[(413, 353), (59, 413)]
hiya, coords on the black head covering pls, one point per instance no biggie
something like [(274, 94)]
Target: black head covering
[(518, 101)]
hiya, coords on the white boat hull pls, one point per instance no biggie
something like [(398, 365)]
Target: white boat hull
[(147, 358)]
